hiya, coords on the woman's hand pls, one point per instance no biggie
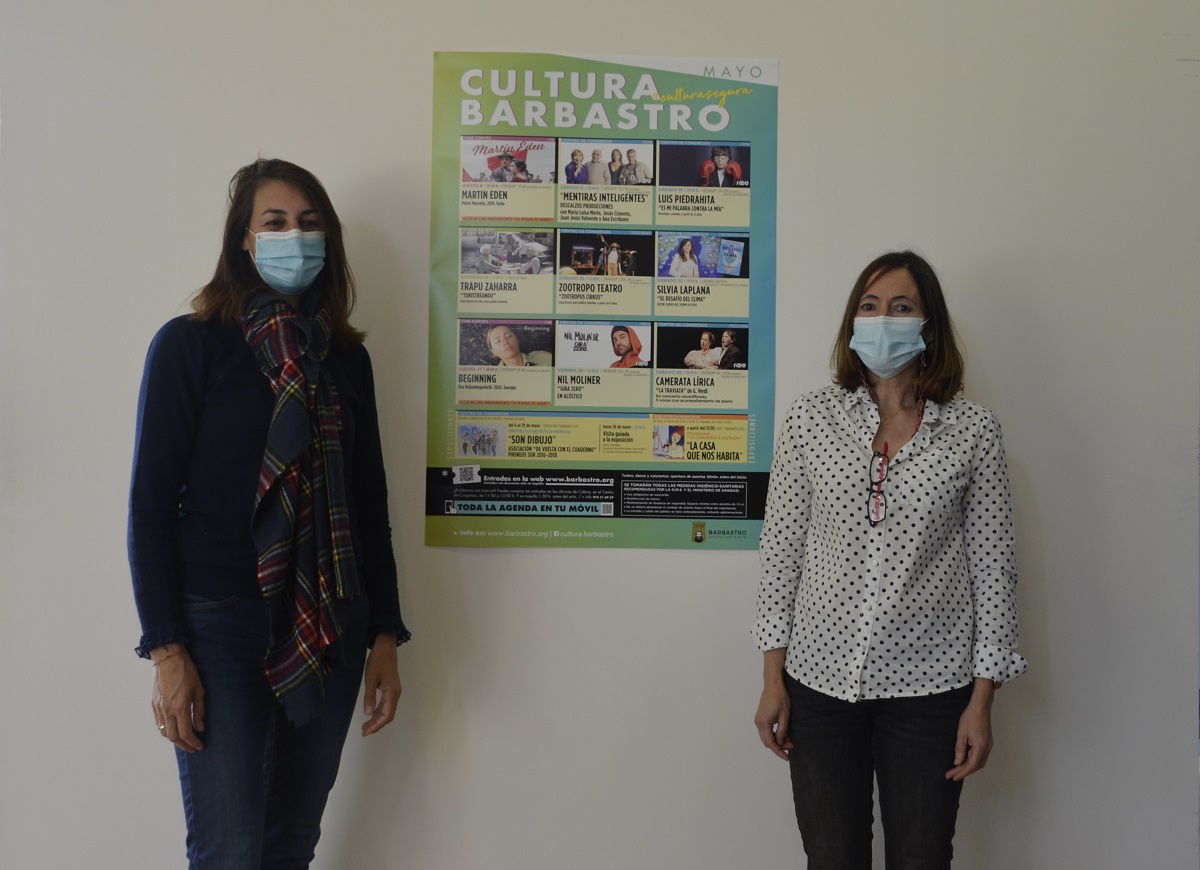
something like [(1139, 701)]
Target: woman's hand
[(974, 732), (381, 684), (178, 697), (774, 705)]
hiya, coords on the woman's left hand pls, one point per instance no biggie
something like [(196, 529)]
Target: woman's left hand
[(381, 684), (974, 733)]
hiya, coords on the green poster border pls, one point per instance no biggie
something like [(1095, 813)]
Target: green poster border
[(753, 116)]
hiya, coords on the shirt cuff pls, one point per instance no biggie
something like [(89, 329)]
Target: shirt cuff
[(997, 663), (159, 636), (403, 635), (770, 637)]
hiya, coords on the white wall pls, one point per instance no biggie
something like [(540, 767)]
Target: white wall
[(593, 709)]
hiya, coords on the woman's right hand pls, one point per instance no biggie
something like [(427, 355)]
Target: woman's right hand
[(178, 697), (774, 705)]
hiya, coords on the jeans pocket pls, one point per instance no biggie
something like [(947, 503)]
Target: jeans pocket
[(198, 602)]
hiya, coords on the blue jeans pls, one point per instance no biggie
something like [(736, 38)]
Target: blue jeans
[(254, 795), (907, 744)]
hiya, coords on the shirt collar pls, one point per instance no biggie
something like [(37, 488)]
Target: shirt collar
[(935, 412), (851, 398)]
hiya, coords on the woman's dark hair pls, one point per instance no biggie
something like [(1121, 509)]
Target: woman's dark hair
[(691, 255), (942, 377), (236, 279)]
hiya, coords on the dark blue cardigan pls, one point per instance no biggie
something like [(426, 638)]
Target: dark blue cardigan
[(203, 414)]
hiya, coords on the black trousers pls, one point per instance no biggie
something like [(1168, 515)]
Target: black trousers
[(840, 747)]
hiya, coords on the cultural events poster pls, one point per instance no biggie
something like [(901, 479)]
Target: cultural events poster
[(602, 311)]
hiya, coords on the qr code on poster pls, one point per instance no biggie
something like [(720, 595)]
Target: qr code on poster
[(606, 508), (466, 474)]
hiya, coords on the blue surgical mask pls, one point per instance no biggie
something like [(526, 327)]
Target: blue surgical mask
[(289, 262), (886, 345)]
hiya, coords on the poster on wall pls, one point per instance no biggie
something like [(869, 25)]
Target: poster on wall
[(602, 301)]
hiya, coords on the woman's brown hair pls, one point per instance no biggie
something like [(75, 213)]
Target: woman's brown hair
[(236, 279), (942, 375)]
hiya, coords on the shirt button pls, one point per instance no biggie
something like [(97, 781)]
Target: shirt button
[(874, 563)]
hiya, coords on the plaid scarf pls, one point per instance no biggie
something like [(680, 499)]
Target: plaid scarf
[(301, 523)]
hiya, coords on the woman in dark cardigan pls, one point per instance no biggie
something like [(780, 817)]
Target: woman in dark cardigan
[(259, 539)]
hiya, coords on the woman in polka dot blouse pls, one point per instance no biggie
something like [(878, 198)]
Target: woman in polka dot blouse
[(887, 611)]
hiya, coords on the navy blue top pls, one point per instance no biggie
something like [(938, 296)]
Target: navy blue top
[(203, 414)]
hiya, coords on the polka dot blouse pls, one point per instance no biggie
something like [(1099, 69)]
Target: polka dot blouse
[(921, 603)]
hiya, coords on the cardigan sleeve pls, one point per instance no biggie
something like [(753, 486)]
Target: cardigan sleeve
[(377, 562), (168, 412)]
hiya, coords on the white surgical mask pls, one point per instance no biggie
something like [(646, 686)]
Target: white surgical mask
[(887, 344), (289, 262)]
